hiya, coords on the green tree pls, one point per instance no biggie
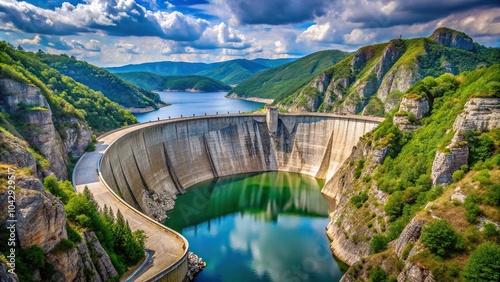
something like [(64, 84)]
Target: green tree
[(483, 264), (440, 237), (378, 243)]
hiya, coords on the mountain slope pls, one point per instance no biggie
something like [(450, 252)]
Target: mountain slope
[(371, 81), (280, 81), (435, 160), (125, 94), (230, 72), (153, 81), (233, 72)]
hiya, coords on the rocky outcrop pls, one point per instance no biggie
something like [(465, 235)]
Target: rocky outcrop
[(479, 114), (157, 204), (15, 94), (75, 137), (195, 266), (71, 136), (100, 258), (348, 236), (452, 38), (418, 106), (88, 266), (68, 265), (14, 151), (41, 219), (447, 162), (410, 234), (41, 133), (414, 273)]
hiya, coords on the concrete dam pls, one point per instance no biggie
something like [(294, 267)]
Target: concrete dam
[(147, 166)]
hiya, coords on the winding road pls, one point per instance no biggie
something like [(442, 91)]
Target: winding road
[(169, 249)]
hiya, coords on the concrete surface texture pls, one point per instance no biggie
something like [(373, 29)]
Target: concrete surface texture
[(144, 163)]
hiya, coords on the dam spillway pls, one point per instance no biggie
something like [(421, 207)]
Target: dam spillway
[(153, 163)]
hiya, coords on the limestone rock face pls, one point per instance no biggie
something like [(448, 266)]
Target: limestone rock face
[(445, 163), (85, 255), (413, 273), (157, 204), (411, 234), (41, 219), (105, 268), (453, 38), (342, 230), (480, 114), (68, 266), (15, 93), (42, 134), (75, 137), (14, 151), (418, 107), (39, 129)]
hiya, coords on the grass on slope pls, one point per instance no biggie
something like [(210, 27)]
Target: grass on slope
[(279, 82)]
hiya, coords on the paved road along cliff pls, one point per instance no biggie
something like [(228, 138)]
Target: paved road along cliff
[(147, 164)]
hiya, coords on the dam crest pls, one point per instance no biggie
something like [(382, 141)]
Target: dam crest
[(151, 163)]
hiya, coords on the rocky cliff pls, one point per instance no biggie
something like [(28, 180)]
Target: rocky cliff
[(27, 122), (54, 139)]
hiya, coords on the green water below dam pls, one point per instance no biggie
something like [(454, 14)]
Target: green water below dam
[(258, 227)]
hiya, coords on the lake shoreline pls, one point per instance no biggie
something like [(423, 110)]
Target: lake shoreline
[(251, 99)]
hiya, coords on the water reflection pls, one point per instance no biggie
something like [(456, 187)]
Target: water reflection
[(262, 195), (258, 227)]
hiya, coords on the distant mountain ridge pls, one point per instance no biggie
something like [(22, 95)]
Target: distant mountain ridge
[(194, 83), (229, 72)]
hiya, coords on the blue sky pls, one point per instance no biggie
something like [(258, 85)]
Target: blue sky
[(118, 32)]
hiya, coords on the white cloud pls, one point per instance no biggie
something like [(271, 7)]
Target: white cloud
[(359, 36), (317, 32), (126, 47)]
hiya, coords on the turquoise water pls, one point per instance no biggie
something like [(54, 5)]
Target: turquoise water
[(258, 227), (187, 104)]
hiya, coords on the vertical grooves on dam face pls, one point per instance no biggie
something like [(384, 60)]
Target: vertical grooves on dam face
[(129, 189), (209, 155), (168, 164), (325, 163), (140, 172)]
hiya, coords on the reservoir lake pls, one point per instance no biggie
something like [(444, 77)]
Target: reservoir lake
[(258, 227), (189, 103)]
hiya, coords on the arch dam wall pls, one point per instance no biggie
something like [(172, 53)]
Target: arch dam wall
[(149, 165)]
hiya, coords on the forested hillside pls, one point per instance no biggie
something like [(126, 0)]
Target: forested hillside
[(279, 82), (117, 90), (153, 81), (419, 197)]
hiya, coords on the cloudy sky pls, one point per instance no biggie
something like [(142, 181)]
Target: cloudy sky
[(118, 32)]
